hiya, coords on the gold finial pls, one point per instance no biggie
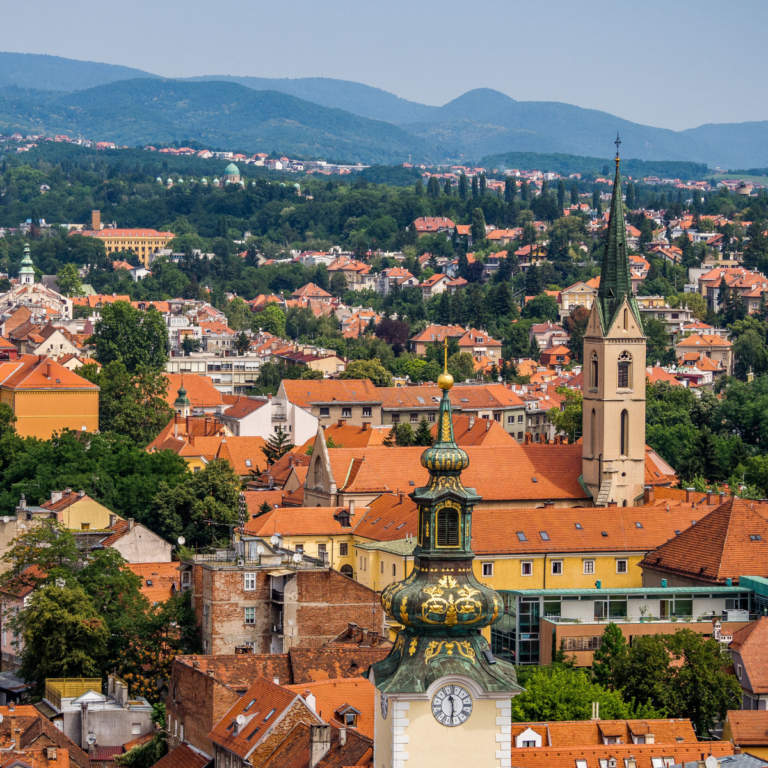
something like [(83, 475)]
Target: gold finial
[(445, 380)]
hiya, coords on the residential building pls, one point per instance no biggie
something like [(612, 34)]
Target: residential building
[(613, 429), (395, 276), (263, 416), (531, 256), (749, 652), (314, 360), (479, 344), (135, 542), (47, 398), (747, 284), (230, 374), (81, 709), (204, 397), (78, 511), (434, 334), (747, 731), (719, 349), (548, 335), (581, 294), (728, 542), (555, 356), (314, 292), (434, 285), (354, 400), (432, 225)]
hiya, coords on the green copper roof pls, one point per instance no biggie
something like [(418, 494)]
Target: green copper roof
[(27, 267), (402, 547), (231, 170), (615, 275), (182, 400)]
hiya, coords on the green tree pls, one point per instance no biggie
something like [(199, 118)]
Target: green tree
[(461, 365), (271, 319), (751, 354), (557, 694), (542, 308), (277, 446), (576, 325), (133, 405), (190, 344), (433, 187), (510, 189), (132, 336), (447, 188), (561, 195), (478, 227), (404, 436), (338, 284), (463, 187), (69, 281), (242, 343), (238, 314), (568, 421), (63, 634), (368, 369), (574, 194), (424, 433), (610, 656)]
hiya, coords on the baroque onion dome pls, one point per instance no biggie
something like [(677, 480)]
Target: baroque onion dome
[(441, 605)]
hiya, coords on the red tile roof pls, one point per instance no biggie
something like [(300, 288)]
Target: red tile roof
[(200, 390), (748, 728), (182, 756), (40, 372), (751, 643), (315, 392)]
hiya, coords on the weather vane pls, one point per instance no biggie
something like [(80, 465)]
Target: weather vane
[(617, 142)]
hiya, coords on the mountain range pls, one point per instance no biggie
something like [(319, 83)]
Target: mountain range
[(337, 119)]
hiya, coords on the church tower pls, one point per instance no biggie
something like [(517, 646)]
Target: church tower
[(181, 404), (27, 269), (613, 428), (442, 697)]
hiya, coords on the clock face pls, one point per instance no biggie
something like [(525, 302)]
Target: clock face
[(452, 705), (384, 705)]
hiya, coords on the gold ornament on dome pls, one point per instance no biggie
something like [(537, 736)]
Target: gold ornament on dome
[(445, 380), (451, 607), (412, 648), (463, 647), (445, 435), (404, 611)]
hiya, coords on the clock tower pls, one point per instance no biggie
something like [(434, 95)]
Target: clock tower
[(442, 697)]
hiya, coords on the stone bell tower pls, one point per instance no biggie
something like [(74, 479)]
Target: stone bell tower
[(613, 428), (442, 697)]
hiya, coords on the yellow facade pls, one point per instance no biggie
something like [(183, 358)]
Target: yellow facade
[(41, 412), (144, 243), (85, 515), (311, 545)]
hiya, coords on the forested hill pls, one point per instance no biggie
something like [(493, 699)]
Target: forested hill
[(148, 111)]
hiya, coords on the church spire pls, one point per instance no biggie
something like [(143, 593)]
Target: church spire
[(615, 276)]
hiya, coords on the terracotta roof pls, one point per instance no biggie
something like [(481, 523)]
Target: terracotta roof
[(200, 390), (310, 290), (180, 427), (159, 581), (262, 705), (464, 398), (330, 695), (436, 333), (656, 373), (350, 436), (331, 662), (244, 454), (297, 521), (588, 733), (67, 500), (748, 727), (182, 757), (704, 340), (729, 541), (389, 518), (306, 393), (40, 372), (254, 500), (126, 233), (293, 752), (467, 430), (751, 644)]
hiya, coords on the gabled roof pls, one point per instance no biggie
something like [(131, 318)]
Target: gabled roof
[(262, 705), (182, 756), (297, 521), (752, 645), (389, 518), (68, 498), (306, 393), (293, 752), (350, 436), (438, 333), (721, 546), (467, 430), (704, 340), (749, 727), (40, 372), (311, 291), (583, 733), (200, 390)]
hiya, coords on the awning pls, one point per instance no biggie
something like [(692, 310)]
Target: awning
[(280, 572)]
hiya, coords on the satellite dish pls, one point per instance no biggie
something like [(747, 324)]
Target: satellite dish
[(711, 762), (297, 557), (240, 719), (240, 562), (260, 549), (1, 718), (6, 519), (182, 541), (275, 540), (91, 739)]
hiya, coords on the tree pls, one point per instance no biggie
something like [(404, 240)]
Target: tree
[(424, 433), (542, 308), (395, 332), (238, 314), (131, 405), (510, 189), (69, 282), (576, 325), (63, 635), (478, 227), (368, 369), (630, 196), (404, 436), (447, 188), (561, 195), (242, 343), (132, 336), (483, 184), (610, 656), (271, 319), (277, 446), (751, 354), (534, 350), (463, 187), (475, 187), (574, 194), (461, 365), (558, 694), (338, 285), (568, 421), (433, 187), (190, 344)]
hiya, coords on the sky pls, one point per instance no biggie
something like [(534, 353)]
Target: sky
[(667, 63)]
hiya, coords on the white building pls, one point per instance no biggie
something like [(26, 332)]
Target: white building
[(263, 416)]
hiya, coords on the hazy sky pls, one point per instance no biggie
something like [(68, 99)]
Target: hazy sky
[(669, 63)]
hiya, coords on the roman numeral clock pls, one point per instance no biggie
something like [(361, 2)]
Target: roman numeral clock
[(443, 699)]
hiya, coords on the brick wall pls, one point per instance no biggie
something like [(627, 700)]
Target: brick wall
[(327, 602)]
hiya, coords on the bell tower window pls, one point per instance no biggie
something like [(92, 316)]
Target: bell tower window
[(593, 433), (594, 370), (447, 527), (625, 371), (625, 433)]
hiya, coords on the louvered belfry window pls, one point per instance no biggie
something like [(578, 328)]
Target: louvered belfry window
[(447, 527)]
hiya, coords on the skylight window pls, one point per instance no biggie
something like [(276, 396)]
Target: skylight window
[(755, 537), (604, 533), (420, 399), (521, 536), (534, 480), (578, 527), (253, 733), (544, 535), (250, 704), (399, 526), (247, 462), (269, 714), (638, 525), (464, 400)]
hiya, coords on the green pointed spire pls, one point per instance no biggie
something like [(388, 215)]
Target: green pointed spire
[(182, 401), (27, 267), (615, 275)]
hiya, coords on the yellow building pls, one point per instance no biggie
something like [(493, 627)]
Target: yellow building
[(47, 397), (78, 511), (143, 242)]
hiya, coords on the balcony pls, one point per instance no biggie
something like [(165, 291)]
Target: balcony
[(278, 596), (726, 616), (277, 629), (279, 416)]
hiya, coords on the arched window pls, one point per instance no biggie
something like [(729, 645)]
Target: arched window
[(346, 570), (318, 474), (447, 527), (625, 371), (625, 433), (593, 432), (626, 319), (595, 370)]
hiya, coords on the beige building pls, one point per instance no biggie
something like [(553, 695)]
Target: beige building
[(353, 400), (718, 349)]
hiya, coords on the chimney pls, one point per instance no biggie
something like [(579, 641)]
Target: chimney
[(711, 497), (595, 710), (95, 220), (487, 424), (319, 743), (650, 738), (56, 496), (402, 497), (351, 629), (689, 495), (130, 523), (648, 494), (366, 426), (549, 504), (342, 737), (191, 439), (51, 753), (48, 369), (81, 493), (309, 697), (351, 507), (276, 680), (67, 491), (112, 519), (542, 439), (722, 497), (342, 422), (528, 437), (613, 504), (471, 422)]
